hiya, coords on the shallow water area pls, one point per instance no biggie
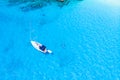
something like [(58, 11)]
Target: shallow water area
[(84, 38)]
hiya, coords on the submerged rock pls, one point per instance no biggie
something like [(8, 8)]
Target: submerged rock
[(32, 6), (35, 4)]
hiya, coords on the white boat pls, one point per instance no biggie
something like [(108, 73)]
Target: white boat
[(40, 47)]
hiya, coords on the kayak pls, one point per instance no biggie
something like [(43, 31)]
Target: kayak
[(37, 46)]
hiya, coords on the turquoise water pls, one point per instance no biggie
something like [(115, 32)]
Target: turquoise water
[(84, 38)]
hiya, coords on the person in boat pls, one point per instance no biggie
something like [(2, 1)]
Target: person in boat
[(43, 48)]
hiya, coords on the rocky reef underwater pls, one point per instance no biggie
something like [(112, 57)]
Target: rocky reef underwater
[(28, 5)]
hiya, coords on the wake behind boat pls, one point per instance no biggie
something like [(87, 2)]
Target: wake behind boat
[(40, 47)]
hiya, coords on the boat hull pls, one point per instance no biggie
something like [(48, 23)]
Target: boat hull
[(36, 46)]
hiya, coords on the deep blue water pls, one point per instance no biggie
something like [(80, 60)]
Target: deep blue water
[(84, 38)]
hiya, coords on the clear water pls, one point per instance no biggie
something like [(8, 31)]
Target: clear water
[(84, 38)]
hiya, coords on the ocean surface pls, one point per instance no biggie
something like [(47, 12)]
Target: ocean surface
[(84, 38)]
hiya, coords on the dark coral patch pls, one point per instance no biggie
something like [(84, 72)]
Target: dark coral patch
[(35, 4)]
